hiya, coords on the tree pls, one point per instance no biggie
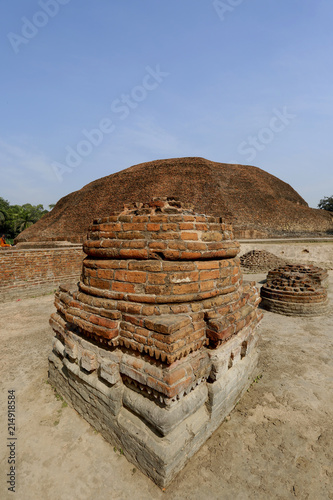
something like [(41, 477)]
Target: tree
[(4, 215), (15, 218), (26, 215), (326, 203)]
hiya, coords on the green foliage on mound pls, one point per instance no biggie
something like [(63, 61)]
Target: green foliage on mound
[(326, 203)]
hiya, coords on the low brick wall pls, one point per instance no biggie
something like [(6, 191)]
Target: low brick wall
[(31, 272)]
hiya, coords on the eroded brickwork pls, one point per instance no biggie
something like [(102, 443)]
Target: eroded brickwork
[(296, 290), (160, 332)]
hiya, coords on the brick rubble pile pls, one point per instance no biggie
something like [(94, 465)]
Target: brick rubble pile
[(258, 261)]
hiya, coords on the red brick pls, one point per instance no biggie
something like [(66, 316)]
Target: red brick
[(153, 227), (190, 255), (128, 226), (157, 278), (157, 289), (196, 245), (207, 285), (113, 226), (185, 226), (174, 376), (98, 283), (105, 273), (210, 275), (169, 227), (152, 265), (131, 235), (122, 287), (185, 288), (208, 265), (189, 236), (177, 245), (134, 254), (133, 244), (131, 276), (165, 236), (157, 245)]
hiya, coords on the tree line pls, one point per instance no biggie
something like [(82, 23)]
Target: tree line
[(15, 218)]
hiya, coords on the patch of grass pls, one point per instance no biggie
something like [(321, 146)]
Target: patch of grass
[(255, 381), (64, 404), (56, 422)]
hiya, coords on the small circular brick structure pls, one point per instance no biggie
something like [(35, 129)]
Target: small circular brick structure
[(317, 274), (296, 290)]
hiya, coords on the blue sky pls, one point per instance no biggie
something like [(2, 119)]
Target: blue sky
[(90, 88)]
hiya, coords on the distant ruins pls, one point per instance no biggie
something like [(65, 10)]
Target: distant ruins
[(158, 342), (296, 290)]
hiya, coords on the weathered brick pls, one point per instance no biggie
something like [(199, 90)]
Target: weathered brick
[(130, 235), (210, 275), (153, 227), (169, 227), (98, 283), (151, 265), (131, 276), (122, 287), (189, 236), (196, 245), (157, 278), (185, 288), (184, 226), (130, 226), (105, 273)]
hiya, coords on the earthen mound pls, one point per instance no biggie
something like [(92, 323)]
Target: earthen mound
[(257, 261), (254, 201)]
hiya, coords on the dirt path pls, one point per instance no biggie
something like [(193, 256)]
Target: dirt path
[(278, 443)]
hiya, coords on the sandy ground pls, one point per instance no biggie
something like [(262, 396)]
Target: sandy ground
[(277, 444)]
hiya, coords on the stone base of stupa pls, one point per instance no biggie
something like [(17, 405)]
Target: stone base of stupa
[(158, 438)]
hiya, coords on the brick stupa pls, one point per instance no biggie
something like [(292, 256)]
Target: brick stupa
[(296, 290), (158, 342)]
